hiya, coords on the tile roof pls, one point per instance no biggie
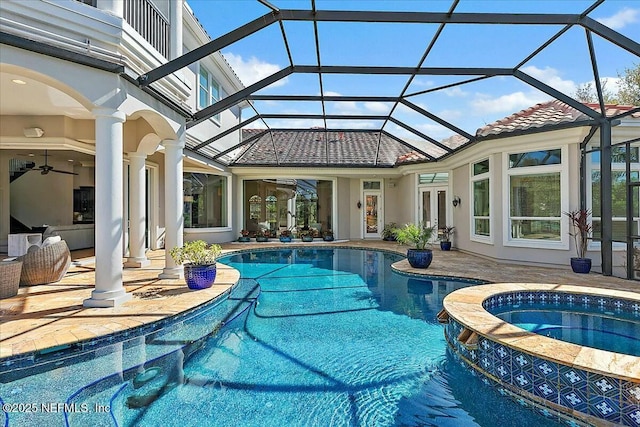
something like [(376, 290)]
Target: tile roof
[(547, 113), (358, 148), (309, 147)]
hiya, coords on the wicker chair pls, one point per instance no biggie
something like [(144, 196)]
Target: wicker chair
[(9, 278), (45, 265)]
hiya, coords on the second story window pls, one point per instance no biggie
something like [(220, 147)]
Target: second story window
[(209, 91)]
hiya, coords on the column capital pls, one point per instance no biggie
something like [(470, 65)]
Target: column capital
[(109, 112), (174, 143), (137, 155)]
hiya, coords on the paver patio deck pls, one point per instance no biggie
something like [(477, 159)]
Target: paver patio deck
[(46, 316)]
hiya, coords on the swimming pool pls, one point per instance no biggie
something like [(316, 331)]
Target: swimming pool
[(603, 329), (308, 337)]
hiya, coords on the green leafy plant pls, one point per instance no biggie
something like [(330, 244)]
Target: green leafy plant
[(446, 232), (388, 231), (580, 229), (196, 253), (418, 236)]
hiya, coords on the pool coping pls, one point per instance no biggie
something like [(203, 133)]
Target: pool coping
[(466, 307)]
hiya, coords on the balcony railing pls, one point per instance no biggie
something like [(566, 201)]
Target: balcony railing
[(147, 20)]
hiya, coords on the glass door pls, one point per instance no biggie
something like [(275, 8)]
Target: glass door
[(372, 214), (433, 207)]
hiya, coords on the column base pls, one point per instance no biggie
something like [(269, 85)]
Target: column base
[(172, 273), (133, 262), (106, 299)]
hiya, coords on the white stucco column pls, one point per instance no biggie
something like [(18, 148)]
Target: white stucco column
[(5, 201), (173, 204), (116, 7), (109, 291), (175, 42), (137, 216)]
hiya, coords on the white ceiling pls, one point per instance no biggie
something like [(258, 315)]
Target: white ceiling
[(36, 99)]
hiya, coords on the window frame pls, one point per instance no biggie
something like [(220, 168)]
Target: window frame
[(229, 201), (596, 245), (211, 82), (489, 176), (562, 169)]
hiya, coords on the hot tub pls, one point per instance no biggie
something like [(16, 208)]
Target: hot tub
[(592, 385)]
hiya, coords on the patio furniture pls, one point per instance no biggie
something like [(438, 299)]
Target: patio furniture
[(9, 278), (45, 265), (20, 243)]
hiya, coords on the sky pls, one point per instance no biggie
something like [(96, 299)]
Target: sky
[(563, 65)]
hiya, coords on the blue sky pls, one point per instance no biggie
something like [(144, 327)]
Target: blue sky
[(563, 65)]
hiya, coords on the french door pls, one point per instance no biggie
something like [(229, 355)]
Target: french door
[(433, 207)]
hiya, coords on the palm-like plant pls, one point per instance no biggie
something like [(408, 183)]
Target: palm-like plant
[(418, 236), (581, 228)]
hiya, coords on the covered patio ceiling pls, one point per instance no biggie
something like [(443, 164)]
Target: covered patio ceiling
[(425, 132)]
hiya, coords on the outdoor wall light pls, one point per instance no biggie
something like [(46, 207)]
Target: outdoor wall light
[(33, 132), (456, 201), (359, 204)]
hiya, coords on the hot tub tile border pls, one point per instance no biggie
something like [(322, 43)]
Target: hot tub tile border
[(594, 395)]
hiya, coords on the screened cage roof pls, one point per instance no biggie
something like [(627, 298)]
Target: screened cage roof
[(380, 83)]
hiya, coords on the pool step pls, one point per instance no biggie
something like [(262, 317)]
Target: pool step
[(443, 316), (469, 339)]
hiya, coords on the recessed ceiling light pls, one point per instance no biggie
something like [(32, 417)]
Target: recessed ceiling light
[(19, 82), (31, 155), (70, 160)]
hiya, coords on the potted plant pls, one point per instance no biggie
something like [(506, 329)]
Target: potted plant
[(327, 236), (418, 236), (306, 235), (244, 236), (285, 236), (580, 230), (262, 236), (200, 259), (445, 237), (388, 232)]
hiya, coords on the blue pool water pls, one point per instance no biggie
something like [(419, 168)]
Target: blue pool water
[(591, 327), (307, 338)]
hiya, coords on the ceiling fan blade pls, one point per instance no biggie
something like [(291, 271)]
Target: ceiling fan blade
[(65, 172)]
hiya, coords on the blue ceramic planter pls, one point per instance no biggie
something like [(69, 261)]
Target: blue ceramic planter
[(581, 265), (200, 276), (285, 239), (244, 239), (445, 246), (419, 258)]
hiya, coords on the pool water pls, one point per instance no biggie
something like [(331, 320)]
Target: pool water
[(591, 327), (310, 338)]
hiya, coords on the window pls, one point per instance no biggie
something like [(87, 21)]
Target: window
[(534, 186), (371, 185), (535, 158), (294, 204), (481, 213), (618, 192), (209, 91), (431, 178), (205, 200)]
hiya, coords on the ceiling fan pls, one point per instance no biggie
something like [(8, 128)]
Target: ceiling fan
[(46, 168)]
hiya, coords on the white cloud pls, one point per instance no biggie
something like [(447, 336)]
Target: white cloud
[(551, 77), (455, 92), (253, 69), (423, 82), (510, 103), (621, 19), (378, 107)]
